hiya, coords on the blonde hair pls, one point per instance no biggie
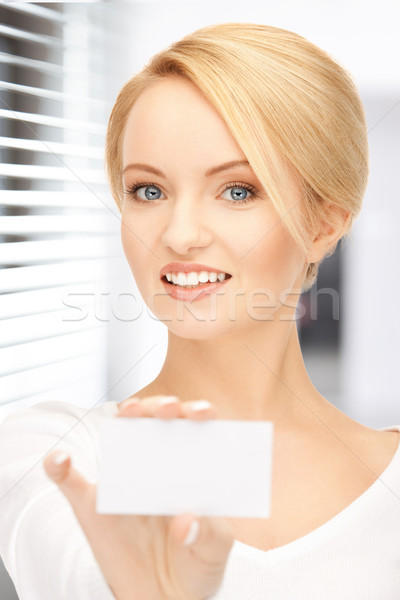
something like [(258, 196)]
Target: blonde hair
[(295, 113)]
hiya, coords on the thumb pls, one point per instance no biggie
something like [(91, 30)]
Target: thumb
[(71, 483), (210, 538)]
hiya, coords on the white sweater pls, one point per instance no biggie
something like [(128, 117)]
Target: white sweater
[(354, 556)]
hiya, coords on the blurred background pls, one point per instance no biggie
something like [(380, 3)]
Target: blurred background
[(73, 326)]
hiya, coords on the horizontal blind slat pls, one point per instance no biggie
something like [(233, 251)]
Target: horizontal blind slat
[(54, 121), (46, 198), (31, 63), (56, 70), (53, 147), (46, 377), (33, 302), (15, 359), (40, 276), (54, 224), (43, 250), (52, 173), (20, 330), (89, 390), (28, 36), (56, 43), (42, 301), (35, 10), (53, 95)]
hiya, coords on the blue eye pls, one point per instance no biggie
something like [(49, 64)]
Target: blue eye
[(241, 193), (151, 191)]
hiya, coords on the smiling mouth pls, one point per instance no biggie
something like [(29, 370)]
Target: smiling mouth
[(200, 284)]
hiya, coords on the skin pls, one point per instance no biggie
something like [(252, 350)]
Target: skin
[(238, 349), (245, 361), (144, 556), (248, 362)]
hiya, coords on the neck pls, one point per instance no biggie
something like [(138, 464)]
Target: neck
[(257, 376)]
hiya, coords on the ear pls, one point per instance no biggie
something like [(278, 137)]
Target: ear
[(329, 234)]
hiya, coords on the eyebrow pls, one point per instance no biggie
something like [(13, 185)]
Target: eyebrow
[(212, 171)]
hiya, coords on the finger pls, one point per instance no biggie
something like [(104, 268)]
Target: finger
[(167, 407), (72, 484), (57, 464), (210, 538), (171, 407), (199, 410)]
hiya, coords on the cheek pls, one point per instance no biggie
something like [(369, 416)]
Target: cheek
[(274, 261), (135, 249), (127, 239)]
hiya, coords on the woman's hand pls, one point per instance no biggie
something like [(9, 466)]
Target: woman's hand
[(145, 557)]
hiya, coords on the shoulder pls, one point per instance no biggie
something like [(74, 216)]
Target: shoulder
[(376, 447), (42, 415), (356, 453), (380, 445), (28, 434), (373, 453)]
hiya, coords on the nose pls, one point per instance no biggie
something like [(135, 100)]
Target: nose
[(185, 229)]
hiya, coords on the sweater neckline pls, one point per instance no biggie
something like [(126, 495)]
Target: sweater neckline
[(380, 486)]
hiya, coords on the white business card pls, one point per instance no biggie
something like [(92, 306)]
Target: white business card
[(151, 466)]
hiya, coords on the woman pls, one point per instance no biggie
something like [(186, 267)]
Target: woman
[(240, 153)]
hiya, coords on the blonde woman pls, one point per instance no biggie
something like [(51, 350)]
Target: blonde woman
[(238, 159)]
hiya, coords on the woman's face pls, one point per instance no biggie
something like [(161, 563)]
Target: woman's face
[(185, 214)]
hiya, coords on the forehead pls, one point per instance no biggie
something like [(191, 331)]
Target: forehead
[(172, 118)]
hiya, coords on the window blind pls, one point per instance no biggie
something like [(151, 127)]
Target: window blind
[(59, 227)]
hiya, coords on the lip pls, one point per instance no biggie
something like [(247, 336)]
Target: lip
[(193, 294), (188, 268)]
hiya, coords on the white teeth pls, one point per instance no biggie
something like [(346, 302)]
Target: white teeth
[(181, 279), (203, 276), (194, 278)]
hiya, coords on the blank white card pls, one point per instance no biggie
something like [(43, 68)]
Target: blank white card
[(151, 466)]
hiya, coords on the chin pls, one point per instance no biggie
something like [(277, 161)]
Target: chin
[(191, 328)]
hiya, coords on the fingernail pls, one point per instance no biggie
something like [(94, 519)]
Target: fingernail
[(200, 405), (193, 533), (129, 402), (60, 458), (167, 400)]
